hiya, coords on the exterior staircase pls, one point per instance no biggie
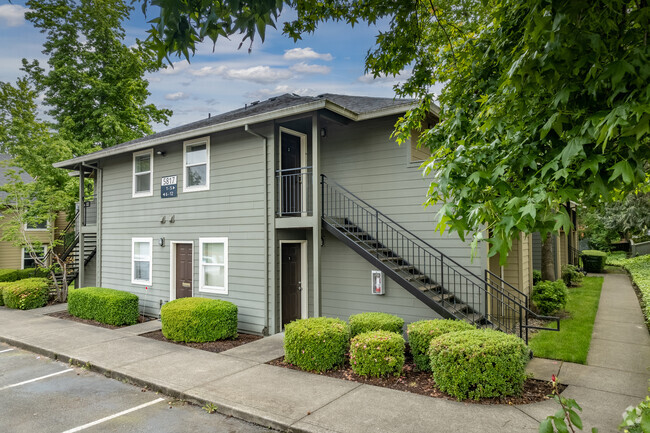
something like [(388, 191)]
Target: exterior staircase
[(441, 283)]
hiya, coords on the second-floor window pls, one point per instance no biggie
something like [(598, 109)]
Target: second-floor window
[(143, 173), (196, 163)]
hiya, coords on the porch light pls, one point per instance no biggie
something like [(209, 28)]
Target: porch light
[(323, 132), (161, 242)]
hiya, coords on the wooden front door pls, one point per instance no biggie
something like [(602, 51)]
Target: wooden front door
[(291, 282), (291, 185), (183, 271)]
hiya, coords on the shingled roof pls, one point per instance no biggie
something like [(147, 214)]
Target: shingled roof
[(4, 168), (355, 108)]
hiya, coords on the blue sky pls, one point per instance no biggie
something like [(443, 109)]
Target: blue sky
[(330, 61)]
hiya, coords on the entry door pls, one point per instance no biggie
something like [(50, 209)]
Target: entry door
[(183, 271), (291, 185), (291, 282)]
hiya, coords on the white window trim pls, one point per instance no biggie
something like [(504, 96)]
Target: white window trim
[(190, 143), (22, 257), (213, 289), (27, 229), (143, 193), (133, 280)]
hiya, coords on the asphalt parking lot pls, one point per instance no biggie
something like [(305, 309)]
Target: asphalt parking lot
[(38, 394)]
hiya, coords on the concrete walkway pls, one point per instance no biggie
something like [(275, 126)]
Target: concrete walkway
[(240, 383)]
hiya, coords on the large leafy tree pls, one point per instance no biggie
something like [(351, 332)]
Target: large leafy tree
[(94, 86), (544, 101)]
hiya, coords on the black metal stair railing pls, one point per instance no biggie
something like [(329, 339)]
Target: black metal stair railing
[(486, 301), (294, 186)]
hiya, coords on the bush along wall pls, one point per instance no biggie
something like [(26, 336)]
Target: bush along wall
[(8, 275), (421, 333), (2, 286), (550, 296), (365, 322), (199, 320), (26, 294), (479, 364), (593, 260), (317, 343), (113, 307), (377, 353)]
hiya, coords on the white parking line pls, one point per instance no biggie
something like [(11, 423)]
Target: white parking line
[(6, 350), (108, 418), (34, 380)]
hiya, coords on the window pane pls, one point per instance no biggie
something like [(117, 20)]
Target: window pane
[(142, 183), (142, 163), (141, 251), (196, 154), (40, 225), (141, 270), (196, 175), (213, 253), (213, 276)]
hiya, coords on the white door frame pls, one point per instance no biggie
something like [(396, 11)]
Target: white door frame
[(303, 160), (172, 267), (304, 278)]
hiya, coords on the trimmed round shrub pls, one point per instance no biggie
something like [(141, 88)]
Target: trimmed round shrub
[(571, 275), (593, 260), (365, 322), (8, 275), (479, 364), (317, 343), (198, 320), (421, 333), (26, 294), (377, 353), (31, 273), (110, 306), (550, 296)]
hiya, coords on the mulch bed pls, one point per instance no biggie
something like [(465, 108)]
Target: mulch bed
[(67, 316), (421, 382), (211, 346)]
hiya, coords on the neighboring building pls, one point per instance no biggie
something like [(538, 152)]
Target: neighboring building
[(290, 208)]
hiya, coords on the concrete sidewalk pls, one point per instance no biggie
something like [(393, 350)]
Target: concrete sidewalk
[(240, 383)]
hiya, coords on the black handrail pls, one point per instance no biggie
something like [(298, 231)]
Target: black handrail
[(425, 264), (63, 236)]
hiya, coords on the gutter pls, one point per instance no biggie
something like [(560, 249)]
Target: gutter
[(265, 331)]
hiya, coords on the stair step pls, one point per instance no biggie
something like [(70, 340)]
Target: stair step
[(391, 259), (404, 268), (415, 277), (369, 242), (443, 297), (473, 317), (429, 287), (459, 307)]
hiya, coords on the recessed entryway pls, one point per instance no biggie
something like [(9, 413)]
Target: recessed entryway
[(293, 280)]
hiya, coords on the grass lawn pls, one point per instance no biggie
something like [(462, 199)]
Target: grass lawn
[(572, 342)]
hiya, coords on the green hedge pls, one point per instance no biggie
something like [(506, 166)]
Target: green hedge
[(421, 333), (2, 286), (8, 275), (199, 320), (639, 269), (377, 353), (26, 294), (550, 296), (593, 260), (365, 322), (479, 364), (317, 343), (113, 307)]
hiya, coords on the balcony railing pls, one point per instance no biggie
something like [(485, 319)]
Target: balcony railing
[(294, 191)]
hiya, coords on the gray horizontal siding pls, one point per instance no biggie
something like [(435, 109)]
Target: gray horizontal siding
[(231, 208)]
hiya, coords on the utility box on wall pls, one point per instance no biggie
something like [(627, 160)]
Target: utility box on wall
[(377, 278)]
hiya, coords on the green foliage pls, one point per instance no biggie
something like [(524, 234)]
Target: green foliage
[(199, 320), (377, 353), (616, 258), (421, 333), (113, 307), (365, 322), (566, 418), (572, 343), (571, 275), (639, 269), (8, 275), (26, 294), (317, 343), (537, 276), (594, 261), (636, 419), (549, 296), (479, 364), (2, 286)]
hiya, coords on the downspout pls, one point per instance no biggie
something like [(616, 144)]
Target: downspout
[(265, 331)]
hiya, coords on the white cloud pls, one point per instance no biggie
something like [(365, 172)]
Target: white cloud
[(256, 74), (305, 53), (175, 68), (278, 90), (176, 96), (305, 68), (12, 15)]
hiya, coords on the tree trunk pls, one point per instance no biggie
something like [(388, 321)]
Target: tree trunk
[(548, 268)]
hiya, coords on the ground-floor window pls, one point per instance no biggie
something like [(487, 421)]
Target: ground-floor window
[(141, 260), (28, 260), (213, 265)]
